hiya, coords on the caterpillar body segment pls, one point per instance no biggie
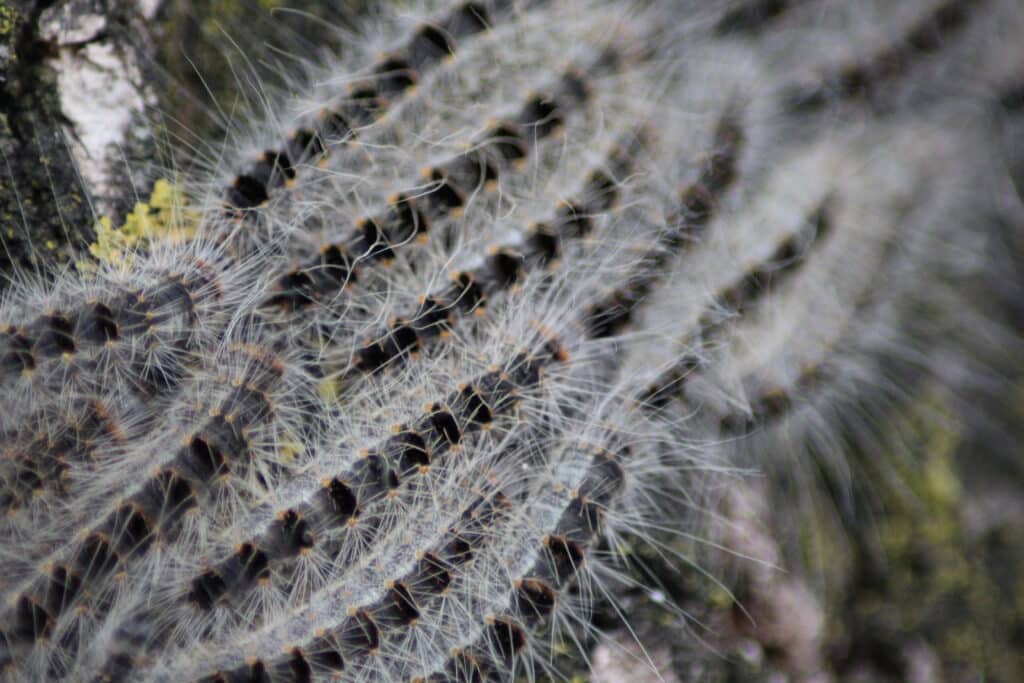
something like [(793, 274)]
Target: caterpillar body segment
[(476, 327)]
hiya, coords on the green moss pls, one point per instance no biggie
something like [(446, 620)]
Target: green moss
[(918, 576)]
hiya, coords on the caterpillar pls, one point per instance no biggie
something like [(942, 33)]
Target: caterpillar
[(460, 340)]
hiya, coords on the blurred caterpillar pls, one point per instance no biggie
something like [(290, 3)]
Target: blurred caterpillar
[(511, 288)]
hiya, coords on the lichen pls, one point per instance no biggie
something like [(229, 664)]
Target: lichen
[(163, 216)]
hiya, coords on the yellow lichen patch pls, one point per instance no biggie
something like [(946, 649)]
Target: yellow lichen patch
[(163, 217)]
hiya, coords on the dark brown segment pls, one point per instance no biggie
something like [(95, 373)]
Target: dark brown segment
[(750, 16), (864, 78), (428, 45), (393, 76), (505, 638), (246, 192), (338, 501), (289, 535), (295, 669), (371, 477), (440, 198), (430, 578), (129, 530), (95, 558), (534, 599), (324, 655), (31, 621), (358, 634), (408, 451), (396, 610), (207, 589), (440, 428)]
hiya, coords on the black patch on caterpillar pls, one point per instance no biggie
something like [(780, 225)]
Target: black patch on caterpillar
[(580, 521), (504, 142), (562, 559), (403, 220), (462, 667), (31, 621), (862, 78), (441, 197), (472, 408), (95, 558), (371, 357), (600, 192), (429, 44), (1011, 97), (62, 586), (393, 76), (750, 17), (401, 338), (534, 599), (338, 501), (542, 244), (324, 655), (505, 638), (272, 169), (207, 589), (289, 535), (432, 317), (698, 204), (502, 268), (497, 391), (443, 428), (246, 192), (98, 324), (254, 671), (225, 438), (359, 634), (245, 405), (469, 171), (247, 566), (296, 289), (456, 549), (371, 478), (719, 168), (202, 461), (927, 35), (166, 497), (468, 19), (370, 240), (525, 371), (612, 313), (604, 479), (19, 357), (118, 668), (571, 220), (541, 115), (361, 106), (430, 577), (57, 335), (332, 125), (572, 89), (465, 292), (484, 512), (396, 609), (305, 144), (295, 669), (129, 529), (408, 450)]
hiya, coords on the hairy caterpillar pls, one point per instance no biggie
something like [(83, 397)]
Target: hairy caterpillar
[(506, 289)]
